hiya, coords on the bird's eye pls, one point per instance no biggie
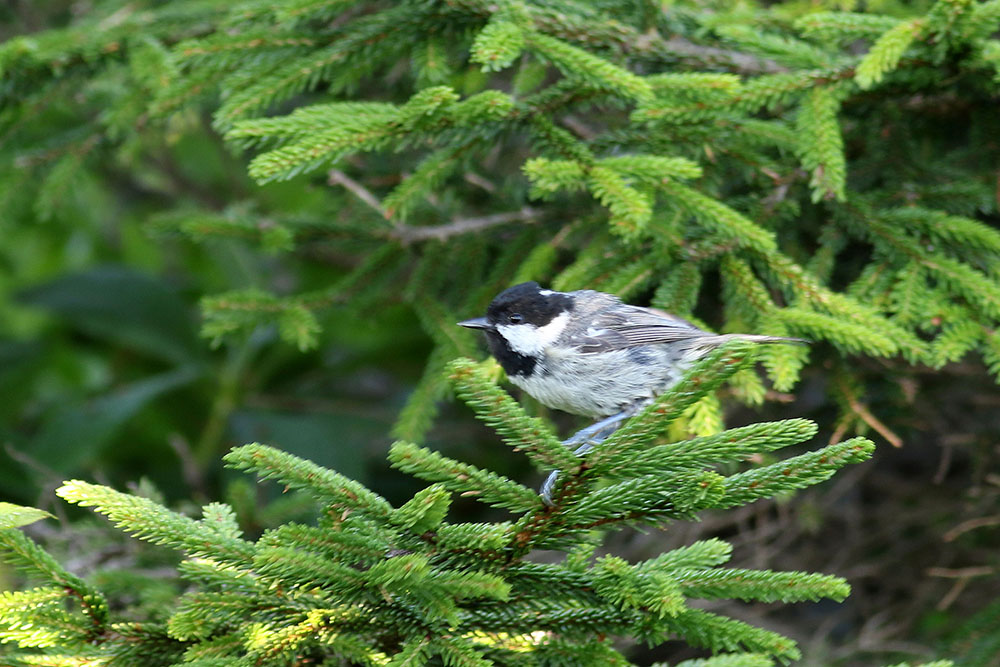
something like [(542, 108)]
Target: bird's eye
[(515, 318)]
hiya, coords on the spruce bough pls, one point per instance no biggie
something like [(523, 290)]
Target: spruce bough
[(835, 170), (373, 584)]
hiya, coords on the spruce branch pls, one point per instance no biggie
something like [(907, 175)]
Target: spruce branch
[(728, 660), (702, 628), (821, 145), (730, 445), (498, 44), (700, 555), (409, 580), (303, 9), (417, 416), (589, 69), (31, 559), (424, 180), (15, 516), (485, 486), (704, 377), (794, 473), (843, 26), (347, 541), (608, 34), (720, 219), (630, 208), (324, 485), (602, 110), (762, 586), (152, 522), (648, 497), (886, 53), (849, 335), (495, 407), (425, 511), (53, 626)]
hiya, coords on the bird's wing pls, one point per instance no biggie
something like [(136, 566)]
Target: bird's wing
[(631, 326)]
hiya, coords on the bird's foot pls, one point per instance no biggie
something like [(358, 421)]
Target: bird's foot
[(584, 440)]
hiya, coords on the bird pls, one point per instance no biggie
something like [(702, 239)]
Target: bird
[(588, 353)]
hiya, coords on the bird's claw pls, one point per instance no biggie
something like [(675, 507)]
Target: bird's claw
[(585, 439)]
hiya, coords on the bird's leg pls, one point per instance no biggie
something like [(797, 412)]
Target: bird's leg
[(585, 438), (596, 432)]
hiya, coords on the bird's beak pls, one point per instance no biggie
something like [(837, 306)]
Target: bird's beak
[(477, 323)]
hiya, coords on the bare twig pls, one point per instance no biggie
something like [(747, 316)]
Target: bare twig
[(839, 431), (479, 181), (743, 62), (961, 572), (952, 594), (337, 177), (875, 423), (461, 226), (580, 128), (407, 234), (971, 524), (865, 415), (54, 477), (189, 466), (962, 576), (944, 464)]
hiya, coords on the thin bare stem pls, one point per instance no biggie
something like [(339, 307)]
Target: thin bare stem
[(971, 524), (462, 226), (743, 62), (337, 177)]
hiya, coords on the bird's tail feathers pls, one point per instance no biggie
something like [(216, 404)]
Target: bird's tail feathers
[(753, 338)]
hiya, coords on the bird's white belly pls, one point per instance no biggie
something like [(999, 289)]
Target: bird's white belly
[(598, 385)]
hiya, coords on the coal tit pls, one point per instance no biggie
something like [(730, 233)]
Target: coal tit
[(587, 353)]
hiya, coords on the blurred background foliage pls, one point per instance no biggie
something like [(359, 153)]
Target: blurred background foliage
[(126, 216)]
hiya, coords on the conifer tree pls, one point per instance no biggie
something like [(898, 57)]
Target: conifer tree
[(841, 196), (372, 584), (783, 170)]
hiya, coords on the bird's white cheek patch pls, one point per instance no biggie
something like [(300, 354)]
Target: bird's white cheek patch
[(529, 340)]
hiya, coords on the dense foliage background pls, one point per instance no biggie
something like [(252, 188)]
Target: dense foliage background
[(259, 221)]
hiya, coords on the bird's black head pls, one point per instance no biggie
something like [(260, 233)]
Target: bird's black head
[(527, 303), (520, 322)]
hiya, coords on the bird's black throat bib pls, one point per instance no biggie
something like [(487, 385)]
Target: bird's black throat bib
[(514, 363)]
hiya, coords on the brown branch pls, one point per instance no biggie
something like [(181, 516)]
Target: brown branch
[(952, 594), (971, 524), (864, 414), (337, 177), (741, 62), (962, 576), (479, 181), (406, 234), (190, 470), (875, 423), (961, 572)]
